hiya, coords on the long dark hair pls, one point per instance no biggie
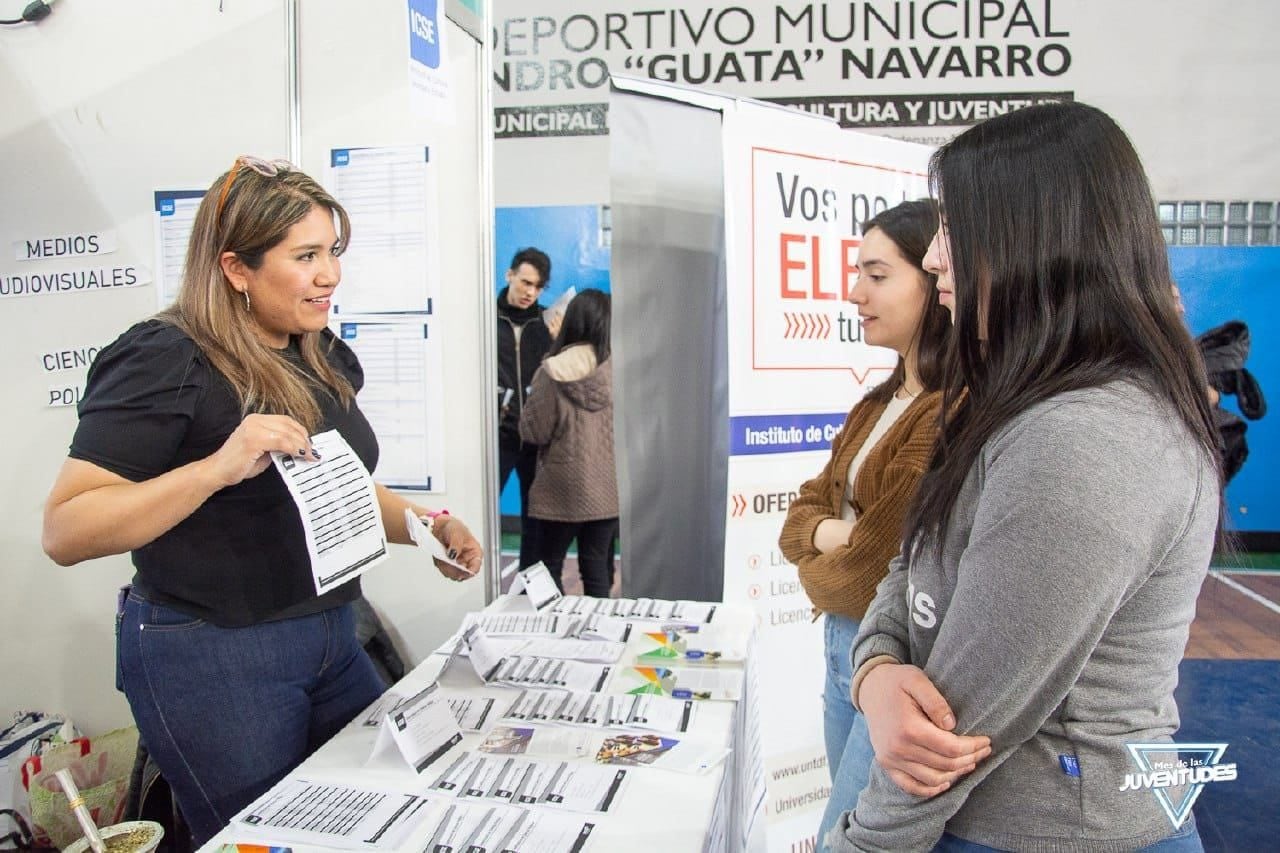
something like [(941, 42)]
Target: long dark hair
[(911, 226), (1053, 237), (586, 321)]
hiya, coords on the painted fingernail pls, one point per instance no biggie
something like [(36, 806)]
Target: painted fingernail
[(453, 553), (302, 451), (315, 453)]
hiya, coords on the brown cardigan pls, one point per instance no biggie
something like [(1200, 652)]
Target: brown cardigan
[(844, 581)]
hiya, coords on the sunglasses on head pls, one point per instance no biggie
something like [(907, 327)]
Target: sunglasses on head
[(266, 168)]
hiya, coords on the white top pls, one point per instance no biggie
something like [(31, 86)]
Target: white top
[(891, 413)]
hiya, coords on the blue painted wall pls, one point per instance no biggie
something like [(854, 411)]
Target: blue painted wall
[(570, 235), (1221, 284)]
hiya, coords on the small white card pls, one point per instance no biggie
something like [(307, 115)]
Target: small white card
[(538, 583), (423, 728), (486, 657), (420, 533)]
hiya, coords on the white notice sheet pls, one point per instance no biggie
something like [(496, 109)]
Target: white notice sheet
[(175, 213), (675, 612), (583, 787), (658, 713), (510, 645), (472, 712), (495, 828), (548, 672), (402, 395), (339, 509), (588, 651), (393, 261), (597, 627), (507, 624), (473, 828), (547, 832), (299, 811), (569, 786)]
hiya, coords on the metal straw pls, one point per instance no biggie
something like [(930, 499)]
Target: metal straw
[(76, 802)]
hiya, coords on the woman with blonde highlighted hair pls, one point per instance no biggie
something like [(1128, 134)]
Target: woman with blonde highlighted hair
[(234, 667)]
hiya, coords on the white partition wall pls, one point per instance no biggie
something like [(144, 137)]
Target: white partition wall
[(352, 103), (100, 112), (102, 109)]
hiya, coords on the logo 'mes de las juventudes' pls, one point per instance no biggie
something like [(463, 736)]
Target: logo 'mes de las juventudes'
[(1176, 773)]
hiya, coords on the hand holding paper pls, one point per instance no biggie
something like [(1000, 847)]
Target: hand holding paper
[(554, 315), (338, 504), (465, 561), (458, 540)]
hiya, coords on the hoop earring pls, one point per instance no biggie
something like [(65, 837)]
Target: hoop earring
[(247, 306)]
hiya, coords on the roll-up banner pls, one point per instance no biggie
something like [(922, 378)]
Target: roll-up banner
[(796, 194)]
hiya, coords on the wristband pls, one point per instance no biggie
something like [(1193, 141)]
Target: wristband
[(430, 516)]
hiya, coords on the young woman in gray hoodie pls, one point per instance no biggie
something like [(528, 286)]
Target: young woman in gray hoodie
[(1031, 630)]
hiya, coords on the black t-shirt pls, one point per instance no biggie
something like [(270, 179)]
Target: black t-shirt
[(153, 403)]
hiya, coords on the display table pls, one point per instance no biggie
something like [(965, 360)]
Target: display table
[(656, 809)]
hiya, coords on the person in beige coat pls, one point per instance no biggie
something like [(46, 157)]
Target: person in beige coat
[(569, 415)]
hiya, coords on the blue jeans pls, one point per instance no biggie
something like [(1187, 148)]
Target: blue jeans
[(1185, 840), (849, 753), (228, 712)]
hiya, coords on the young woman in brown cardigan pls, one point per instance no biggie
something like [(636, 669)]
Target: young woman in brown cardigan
[(846, 524)]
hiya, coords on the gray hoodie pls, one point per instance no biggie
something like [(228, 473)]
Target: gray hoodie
[(1053, 621)]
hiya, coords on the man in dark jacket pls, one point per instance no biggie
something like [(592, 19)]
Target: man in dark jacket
[(523, 341)]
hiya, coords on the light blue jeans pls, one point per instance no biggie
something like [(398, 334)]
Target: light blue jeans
[(849, 753)]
